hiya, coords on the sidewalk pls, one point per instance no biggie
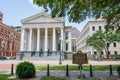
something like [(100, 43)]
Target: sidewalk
[(5, 67), (56, 62), (97, 75)]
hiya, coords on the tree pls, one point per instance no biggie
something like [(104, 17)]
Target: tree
[(97, 41), (100, 40), (79, 10)]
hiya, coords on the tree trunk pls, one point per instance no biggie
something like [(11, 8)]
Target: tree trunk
[(106, 51), (99, 56)]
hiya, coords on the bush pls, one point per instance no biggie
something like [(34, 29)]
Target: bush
[(118, 70), (25, 70)]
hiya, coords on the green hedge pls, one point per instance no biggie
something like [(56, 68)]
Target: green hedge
[(25, 70)]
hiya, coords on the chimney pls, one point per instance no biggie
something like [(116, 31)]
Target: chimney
[(1, 16)]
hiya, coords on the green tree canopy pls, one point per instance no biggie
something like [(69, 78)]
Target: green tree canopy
[(97, 41), (100, 39), (80, 10)]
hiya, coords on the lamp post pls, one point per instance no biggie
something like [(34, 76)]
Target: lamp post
[(60, 61)]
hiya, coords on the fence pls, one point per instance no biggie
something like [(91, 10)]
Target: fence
[(67, 70)]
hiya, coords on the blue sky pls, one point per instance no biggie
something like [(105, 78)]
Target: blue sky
[(15, 10)]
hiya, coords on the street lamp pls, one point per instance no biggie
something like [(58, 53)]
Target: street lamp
[(60, 61), (59, 37)]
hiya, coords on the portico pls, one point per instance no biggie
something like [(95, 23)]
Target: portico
[(44, 36)]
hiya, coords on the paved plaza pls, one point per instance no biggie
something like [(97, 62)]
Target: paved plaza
[(56, 62)]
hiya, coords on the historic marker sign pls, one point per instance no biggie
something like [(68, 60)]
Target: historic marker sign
[(80, 58)]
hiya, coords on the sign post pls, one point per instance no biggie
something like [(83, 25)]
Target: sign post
[(80, 58)]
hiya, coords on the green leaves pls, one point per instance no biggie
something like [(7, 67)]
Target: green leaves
[(100, 39), (97, 41), (78, 10)]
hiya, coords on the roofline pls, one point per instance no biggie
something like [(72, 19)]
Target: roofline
[(8, 27), (90, 22), (38, 14)]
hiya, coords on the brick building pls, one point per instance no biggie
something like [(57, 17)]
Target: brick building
[(9, 40)]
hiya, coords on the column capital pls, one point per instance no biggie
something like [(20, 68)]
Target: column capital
[(30, 28), (38, 28), (46, 27), (61, 28), (54, 28)]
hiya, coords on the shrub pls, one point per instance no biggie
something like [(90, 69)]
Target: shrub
[(25, 70), (118, 70)]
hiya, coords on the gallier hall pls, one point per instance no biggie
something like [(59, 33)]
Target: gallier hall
[(44, 36)]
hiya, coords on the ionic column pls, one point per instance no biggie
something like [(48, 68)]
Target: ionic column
[(22, 40), (46, 39), (61, 39), (70, 44), (54, 40), (38, 39), (30, 40)]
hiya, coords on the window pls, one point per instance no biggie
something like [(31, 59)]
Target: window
[(18, 30), (99, 27), (108, 52), (95, 53), (115, 52), (66, 35), (114, 44), (66, 46), (93, 28)]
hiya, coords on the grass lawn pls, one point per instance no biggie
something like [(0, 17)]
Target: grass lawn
[(5, 77), (86, 68), (52, 78)]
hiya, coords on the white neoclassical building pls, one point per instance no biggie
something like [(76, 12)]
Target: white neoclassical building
[(42, 34), (90, 28)]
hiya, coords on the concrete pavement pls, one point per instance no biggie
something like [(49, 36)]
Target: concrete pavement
[(56, 62), (5, 66)]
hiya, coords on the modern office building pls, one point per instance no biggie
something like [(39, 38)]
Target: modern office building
[(9, 40), (90, 28), (43, 34)]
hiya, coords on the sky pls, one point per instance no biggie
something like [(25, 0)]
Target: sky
[(16, 10)]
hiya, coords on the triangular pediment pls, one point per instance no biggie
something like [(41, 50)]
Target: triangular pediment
[(41, 18)]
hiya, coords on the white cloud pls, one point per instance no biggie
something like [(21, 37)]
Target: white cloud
[(33, 5)]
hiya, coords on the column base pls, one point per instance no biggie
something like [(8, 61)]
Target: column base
[(45, 53), (37, 53), (54, 53)]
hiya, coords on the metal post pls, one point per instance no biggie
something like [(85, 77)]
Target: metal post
[(60, 59), (111, 74), (67, 73), (12, 69), (48, 74), (91, 73), (81, 71)]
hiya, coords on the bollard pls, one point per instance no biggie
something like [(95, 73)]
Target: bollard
[(48, 74), (12, 70), (80, 67), (111, 70), (67, 73), (91, 73)]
